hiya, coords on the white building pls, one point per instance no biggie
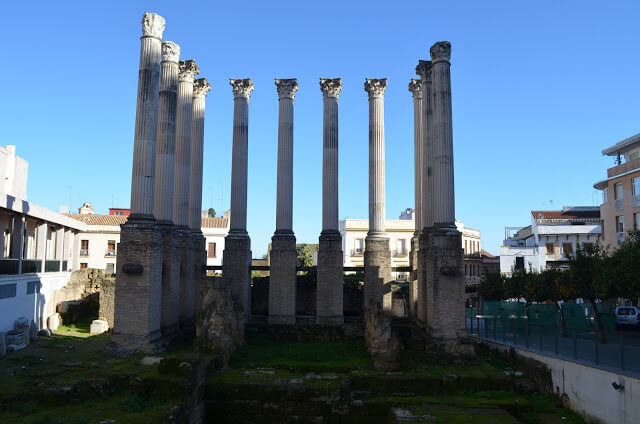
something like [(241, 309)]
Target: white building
[(551, 236), (37, 248), (97, 244), (400, 231)]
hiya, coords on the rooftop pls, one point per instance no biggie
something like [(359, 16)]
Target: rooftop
[(623, 146), (115, 220), (569, 213)]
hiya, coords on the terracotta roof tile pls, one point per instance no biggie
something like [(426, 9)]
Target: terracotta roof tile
[(93, 219), (568, 214), (208, 222)]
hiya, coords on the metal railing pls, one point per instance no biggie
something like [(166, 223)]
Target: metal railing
[(636, 200), (84, 252), (400, 252), (618, 349), (110, 252), (619, 204), (357, 252)]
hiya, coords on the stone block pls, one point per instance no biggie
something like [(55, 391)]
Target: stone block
[(15, 337), (33, 331), (172, 245), (185, 298), (198, 244), (282, 280), (329, 296), (236, 271), (99, 326), (54, 321), (138, 297), (24, 324), (45, 332), (377, 273), (414, 260)]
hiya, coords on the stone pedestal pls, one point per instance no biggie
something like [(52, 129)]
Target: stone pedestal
[(329, 303), (199, 271), (170, 280), (414, 276), (186, 295), (282, 280), (236, 270), (377, 273), (138, 294), (444, 269)]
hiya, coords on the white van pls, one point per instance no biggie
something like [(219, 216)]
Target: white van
[(627, 315)]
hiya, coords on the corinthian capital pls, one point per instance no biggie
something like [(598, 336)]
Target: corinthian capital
[(441, 52), (415, 86), (375, 87), (241, 87), (152, 25), (187, 70), (287, 88), (170, 52), (200, 87), (331, 87), (424, 69)]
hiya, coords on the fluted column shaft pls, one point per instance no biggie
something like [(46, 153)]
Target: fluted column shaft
[(443, 184), (376, 89), (415, 87), (428, 201), (201, 87), (284, 200), (331, 89), (188, 69), (144, 147), (166, 146), (241, 91)]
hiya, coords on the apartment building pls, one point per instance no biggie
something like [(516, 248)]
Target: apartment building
[(620, 209), (551, 236)]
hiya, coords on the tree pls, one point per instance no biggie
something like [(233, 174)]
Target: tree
[(211, 213), (491, 287), (304, 255), (622, 269), (544, 286)]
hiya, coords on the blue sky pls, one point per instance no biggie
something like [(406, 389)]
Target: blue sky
[(539, 89)]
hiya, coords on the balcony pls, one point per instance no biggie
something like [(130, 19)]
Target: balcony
[(400, 253), (625, 167), (109, 253), (619, 204), (84, 252), (620, 237), (357, 252)]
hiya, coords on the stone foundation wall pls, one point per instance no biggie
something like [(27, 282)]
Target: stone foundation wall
[(377, 273)]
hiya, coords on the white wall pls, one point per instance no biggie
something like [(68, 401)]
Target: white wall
[(38, 306), (215, 235), (98, 236)]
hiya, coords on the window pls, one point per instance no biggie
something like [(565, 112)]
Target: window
[(7, 291), (402, 246), (110, 269), (635, 186), (519, 262), (605, 196), (618, 193), (567, 248), (119, 213), (111, 248), (83, 265), (636, 221), (550, 249), (211, 251), (359, 247), (620, 224), (33, 287), (84, 247), (587, 246)]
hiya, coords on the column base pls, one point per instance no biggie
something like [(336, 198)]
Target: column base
[(377, 273), (330, 280), (138, 290), (443, 271), (282, 279), (199, 269), (185, 250), (413, 279), (236, 271)]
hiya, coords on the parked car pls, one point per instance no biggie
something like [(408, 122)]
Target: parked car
[(627, 316)]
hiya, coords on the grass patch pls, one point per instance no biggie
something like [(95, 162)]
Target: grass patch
[(79, 329), (302, 356)]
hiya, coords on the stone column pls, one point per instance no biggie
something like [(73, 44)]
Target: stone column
[(424, 71), (144, 144), (237, 249), (163, 197), (282, 275), (329, 294), (442, 148), (377, 256), (443, 254), (200, 89), (138, 291), (415, 87), (187, 69), (17, 239)]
